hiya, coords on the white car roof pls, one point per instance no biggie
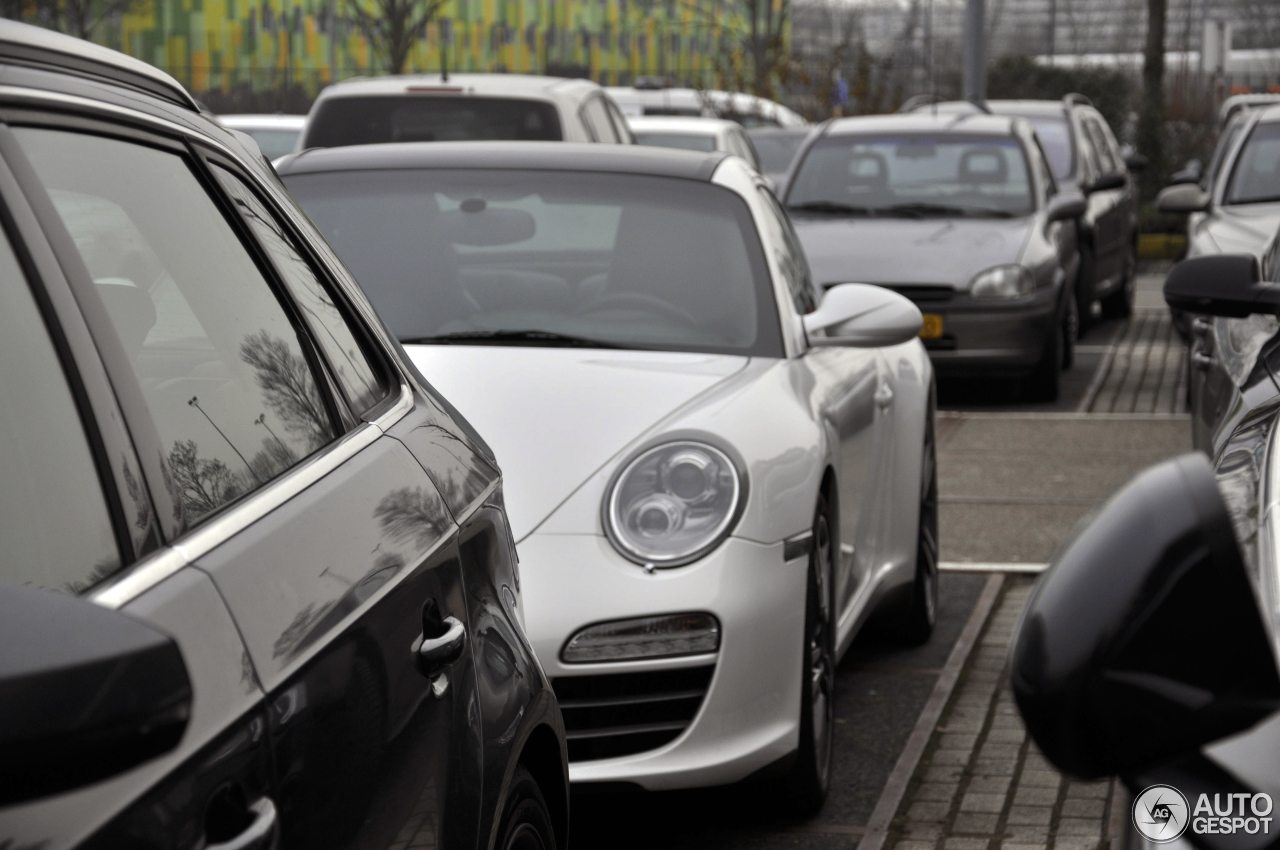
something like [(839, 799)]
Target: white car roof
[(262, 122), (707, 102), (687, 125), (484, 85)]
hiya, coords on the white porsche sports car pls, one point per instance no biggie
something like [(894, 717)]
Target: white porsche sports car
[(714, 472)]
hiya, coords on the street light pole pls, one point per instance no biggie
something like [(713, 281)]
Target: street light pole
[(975, 53), (195, 402)]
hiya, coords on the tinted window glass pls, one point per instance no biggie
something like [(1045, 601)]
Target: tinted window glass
[(640, 262), (790, 256), (881, 173), (220, 365), (275, 143), (1055, 137), (777, 149), (430, 118), (683, 141), (1106, 162), (358, 379), (1256, 176), (1220, 152), (54, 528), (596, 117)]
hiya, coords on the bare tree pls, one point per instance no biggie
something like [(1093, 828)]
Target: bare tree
[(287, 386), (393, 27), (81, 18)]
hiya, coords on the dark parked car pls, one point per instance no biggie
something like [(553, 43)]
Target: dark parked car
[(257, 586), (959, 213), (1148, 649), (1085, 157)]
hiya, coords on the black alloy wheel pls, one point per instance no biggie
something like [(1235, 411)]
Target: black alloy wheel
[(1085, 288), (526, 822), (1042, 383), (1119, 304), (922, 615), (1070, 330), (810, 778)]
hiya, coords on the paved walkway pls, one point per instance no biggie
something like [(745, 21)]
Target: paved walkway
[(982, 785)]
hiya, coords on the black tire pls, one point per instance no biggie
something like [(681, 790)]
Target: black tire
[(1085, 288), (921, 615), (1070, 330), (526, 822), (1042, 383), (1119, 304), (807, 784)]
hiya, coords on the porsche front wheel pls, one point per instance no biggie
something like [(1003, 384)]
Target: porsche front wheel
[(810, 777)]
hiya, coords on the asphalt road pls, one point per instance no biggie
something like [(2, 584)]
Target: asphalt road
[(1014, 479)]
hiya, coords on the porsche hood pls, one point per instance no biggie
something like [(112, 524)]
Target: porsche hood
[(940, 251), (554, 416)]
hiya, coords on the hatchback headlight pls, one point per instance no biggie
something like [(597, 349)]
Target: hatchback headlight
[(1003, 282), (673, 503)]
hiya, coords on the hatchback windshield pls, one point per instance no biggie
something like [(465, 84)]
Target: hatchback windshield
[(550, 258), (340, 121), (1256, 177), (778, 149), (913, 175), (684, 141)]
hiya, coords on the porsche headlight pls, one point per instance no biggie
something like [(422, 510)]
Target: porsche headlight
[(1003, 282), (673, 503)]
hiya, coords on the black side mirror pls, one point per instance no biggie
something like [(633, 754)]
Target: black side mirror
[(1136, 162), (1143, 640), (85, 693), (1190, 173), (1110, 180), (1066, 205), (1228, 285)]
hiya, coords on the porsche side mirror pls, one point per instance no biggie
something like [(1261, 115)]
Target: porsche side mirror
[(862, 316), (1228, 285), (1182, 198), (1136, 162), (1066, 205), (85, 693), (1143, 640), (1190, 173), (1110, 180)]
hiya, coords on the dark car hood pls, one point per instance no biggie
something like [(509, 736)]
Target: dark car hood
[(934, 251)]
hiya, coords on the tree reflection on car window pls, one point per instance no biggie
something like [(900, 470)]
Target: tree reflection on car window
[(218, 361)]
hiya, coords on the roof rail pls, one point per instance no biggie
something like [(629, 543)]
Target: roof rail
[(1077, 99), (35, 47), (916, 101)]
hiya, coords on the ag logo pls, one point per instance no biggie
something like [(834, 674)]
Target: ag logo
[(1160, 813)]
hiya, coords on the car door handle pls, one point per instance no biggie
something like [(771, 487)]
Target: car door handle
[(884, 396), (1201, 360), (260, 834), (1200, 327), (435, 654)]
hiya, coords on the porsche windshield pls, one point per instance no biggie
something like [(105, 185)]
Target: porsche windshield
[(513, 257), (914, 176)]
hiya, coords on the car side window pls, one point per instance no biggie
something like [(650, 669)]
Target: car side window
[(57, 530), (221, 366), (1088, 154), (596, 117), (352, 370), (620, 128), (1048, 186), (1106, 161), (751, 154), (790, 256)]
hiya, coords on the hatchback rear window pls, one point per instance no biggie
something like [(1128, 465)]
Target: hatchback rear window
[(342, 121)]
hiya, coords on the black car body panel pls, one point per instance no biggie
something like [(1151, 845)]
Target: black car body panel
[(298, 602)]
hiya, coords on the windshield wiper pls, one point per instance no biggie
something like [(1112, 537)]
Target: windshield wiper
[(549, 339), (831, 208), (923, 209)]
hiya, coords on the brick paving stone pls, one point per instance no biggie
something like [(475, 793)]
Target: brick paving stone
[(958, 741), (1073, 842), (965, 844), (1095, 790), (990, 785), (957, 757), (922, 831), (915, 844), (943, 773), (1026, 832), (1036, 796), (970, 823), (1006, 735), (1019, 845), (1083, 808), (1079, 827), (995, 767), (1039, 778), (926, 812), (1031, 815), (993, 803), (937, 792), (1000, 751)]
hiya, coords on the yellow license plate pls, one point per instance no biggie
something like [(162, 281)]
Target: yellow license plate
[(932, 327)]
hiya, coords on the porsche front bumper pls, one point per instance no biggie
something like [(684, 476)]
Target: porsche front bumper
[(749, 716)]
